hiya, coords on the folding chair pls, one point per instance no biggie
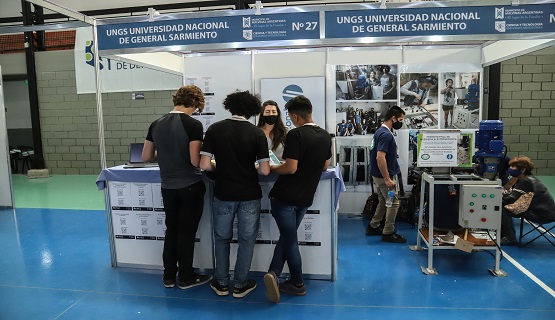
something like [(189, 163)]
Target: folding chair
[(542, 228)]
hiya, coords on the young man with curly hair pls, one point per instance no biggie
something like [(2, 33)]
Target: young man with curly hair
[(175, 140), (236, 144)]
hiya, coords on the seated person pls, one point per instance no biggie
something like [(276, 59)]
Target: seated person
[(342, 128), (542, 208)]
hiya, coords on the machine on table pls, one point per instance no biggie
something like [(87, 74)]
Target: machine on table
[(478, 199)]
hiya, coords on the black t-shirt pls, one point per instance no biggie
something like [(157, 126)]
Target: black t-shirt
[(311, 147), (236, 145), (171, 135)]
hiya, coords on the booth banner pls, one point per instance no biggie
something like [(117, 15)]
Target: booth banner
[(268, 27), (445, 21), (116, 76), (284, 89)]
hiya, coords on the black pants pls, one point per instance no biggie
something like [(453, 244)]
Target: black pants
[(183, 209)]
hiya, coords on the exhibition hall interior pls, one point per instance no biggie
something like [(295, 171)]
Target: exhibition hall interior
[(453, 100)]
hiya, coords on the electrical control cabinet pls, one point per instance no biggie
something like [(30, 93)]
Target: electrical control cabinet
[(480, 206)]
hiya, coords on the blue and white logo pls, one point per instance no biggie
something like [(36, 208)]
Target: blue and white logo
[(291, 91), (500, 26), (499, 13), (246, 22), (449, 156)]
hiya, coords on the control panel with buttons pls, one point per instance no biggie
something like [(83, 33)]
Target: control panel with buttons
[(480, 206)]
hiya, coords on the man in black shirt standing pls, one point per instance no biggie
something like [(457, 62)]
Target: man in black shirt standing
[(236, 144), (307, 153), (175, 140)]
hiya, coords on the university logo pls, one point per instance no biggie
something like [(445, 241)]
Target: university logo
[(500, 26), (291, 91), (247, 34), (247, 22), (499, 13), (89, 54)]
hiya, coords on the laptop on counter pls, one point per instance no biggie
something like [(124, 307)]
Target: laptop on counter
[(135, 157)]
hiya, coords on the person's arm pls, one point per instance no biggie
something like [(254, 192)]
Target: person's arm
[(194, 131), (405, 90), (382, 165), (326, 165), (149, 151), (510, 183), (288, 167), (263, 168), (206, 163), (520, 188), (393, 84), (194, 152)]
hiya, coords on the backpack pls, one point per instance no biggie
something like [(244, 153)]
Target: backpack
[(370, 206)]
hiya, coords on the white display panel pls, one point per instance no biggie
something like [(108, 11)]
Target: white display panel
[(314, 235), (138, 224), (6, 198), (283, 89)]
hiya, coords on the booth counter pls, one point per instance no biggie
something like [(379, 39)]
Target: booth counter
[(135, 216)]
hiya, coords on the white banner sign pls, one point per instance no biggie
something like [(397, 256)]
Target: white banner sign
[(116, 76), (437, 149), (283, 89)]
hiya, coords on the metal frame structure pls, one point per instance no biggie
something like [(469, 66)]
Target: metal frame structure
[(458, 180)]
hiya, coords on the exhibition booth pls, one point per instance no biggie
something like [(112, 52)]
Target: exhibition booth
[(352, 61)]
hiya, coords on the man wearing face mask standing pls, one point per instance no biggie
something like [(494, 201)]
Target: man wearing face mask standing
[(307, 153), (384, 169)]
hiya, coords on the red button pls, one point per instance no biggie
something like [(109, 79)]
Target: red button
[(471, 210), (483, 219)]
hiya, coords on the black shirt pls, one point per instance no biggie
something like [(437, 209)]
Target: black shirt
[(311, 147), (171, 135), (236, 145)]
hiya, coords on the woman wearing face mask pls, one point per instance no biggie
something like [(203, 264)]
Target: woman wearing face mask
[(542, 208), (272, 125)]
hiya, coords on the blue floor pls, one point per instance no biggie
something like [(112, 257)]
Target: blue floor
[(56, 265)]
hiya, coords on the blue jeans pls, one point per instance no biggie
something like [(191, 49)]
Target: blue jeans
[(248, 220), (288, 218)]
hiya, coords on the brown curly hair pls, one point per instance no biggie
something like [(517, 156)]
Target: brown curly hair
[(190, 97), (522, 163)]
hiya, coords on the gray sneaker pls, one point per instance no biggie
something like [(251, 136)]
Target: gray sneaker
[(272, 290), (290, 288), (196, 281)]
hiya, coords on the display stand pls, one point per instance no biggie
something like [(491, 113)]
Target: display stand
[(136, 224), (427, 235)]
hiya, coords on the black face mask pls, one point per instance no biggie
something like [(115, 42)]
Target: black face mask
[(397, 125), (270, 119)]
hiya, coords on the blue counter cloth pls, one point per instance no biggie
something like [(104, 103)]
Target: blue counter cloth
[(152, 175)]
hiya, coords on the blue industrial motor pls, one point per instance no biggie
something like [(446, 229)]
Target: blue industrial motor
[(489, 148)]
